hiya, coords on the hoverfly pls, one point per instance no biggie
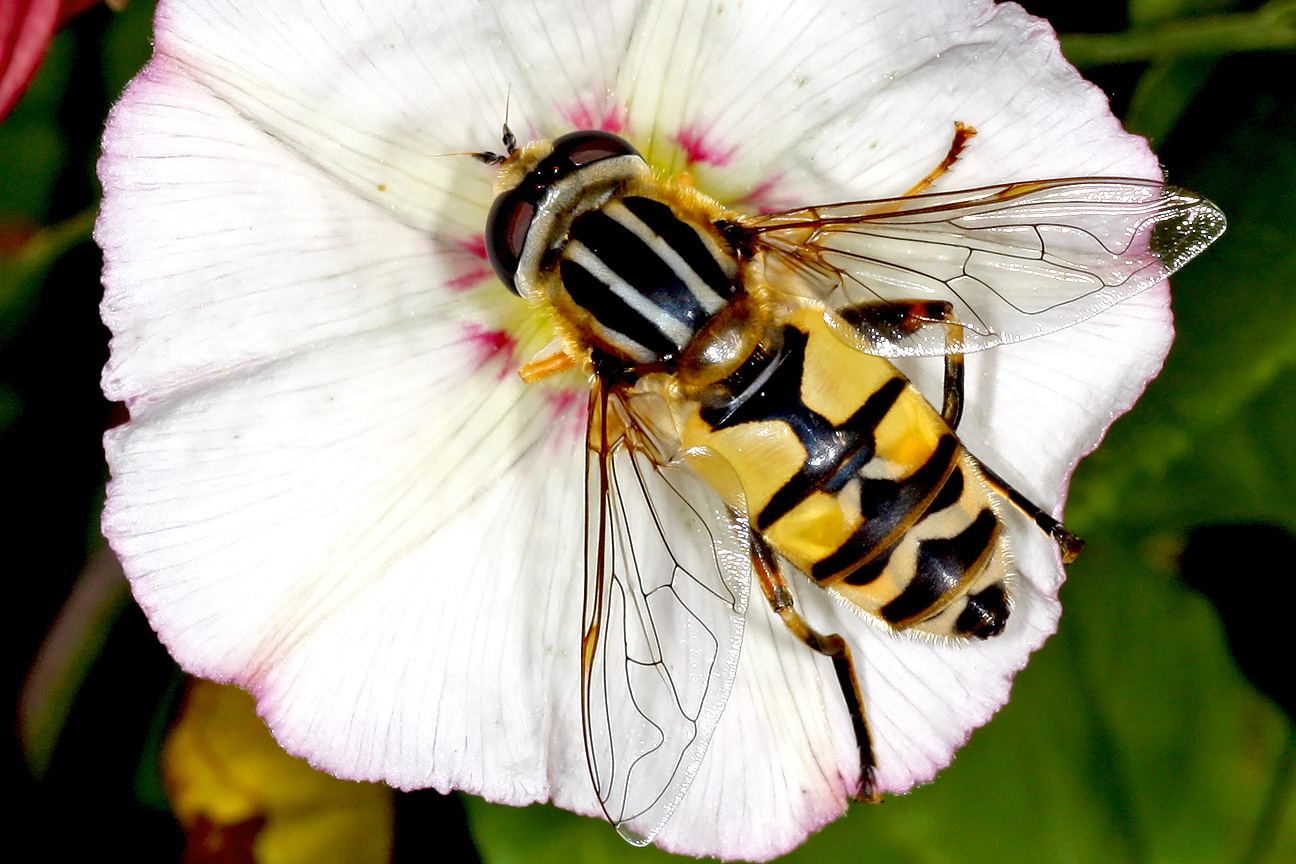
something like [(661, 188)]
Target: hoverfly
[(740, 381)]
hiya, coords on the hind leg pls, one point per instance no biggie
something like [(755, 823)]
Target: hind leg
[(829, 645)]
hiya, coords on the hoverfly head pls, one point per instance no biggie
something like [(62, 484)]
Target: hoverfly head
[(527, 175)]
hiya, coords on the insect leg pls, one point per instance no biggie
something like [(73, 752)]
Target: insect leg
[(962, 134), (831, 646), (900, 318), (1068, 542), (546, 365)]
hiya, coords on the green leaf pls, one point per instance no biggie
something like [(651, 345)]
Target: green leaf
[(1213, 440), (127, 44), (1145, 11), (22, 274), (542, 834), (1196, 449), (32, 142), (1164, 92), (1270, 28)]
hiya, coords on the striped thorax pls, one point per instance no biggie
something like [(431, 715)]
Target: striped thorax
[(581, 226)]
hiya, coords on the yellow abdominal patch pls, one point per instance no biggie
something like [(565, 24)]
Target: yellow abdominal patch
[(815, 528)]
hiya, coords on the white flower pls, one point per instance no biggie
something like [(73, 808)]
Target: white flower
[(334, 491)]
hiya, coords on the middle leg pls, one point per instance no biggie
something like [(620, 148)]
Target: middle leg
[(898, 319)]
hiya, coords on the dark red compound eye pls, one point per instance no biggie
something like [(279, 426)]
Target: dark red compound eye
[(511, 214)]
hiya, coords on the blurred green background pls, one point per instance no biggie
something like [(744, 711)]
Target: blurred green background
[(1132, 737)]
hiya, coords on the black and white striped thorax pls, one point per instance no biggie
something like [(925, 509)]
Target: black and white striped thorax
[(640, 279)]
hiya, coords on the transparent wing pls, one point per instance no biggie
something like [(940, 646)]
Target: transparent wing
[(1014, 261), (668, 575)]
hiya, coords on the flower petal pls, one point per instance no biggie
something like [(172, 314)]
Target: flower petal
[(334, 491), (1036, 407), (311, 436), (376, 95), (847, 100), (224, 250), (783, 760)]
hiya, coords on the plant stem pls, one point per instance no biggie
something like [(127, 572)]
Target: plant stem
[(1271, 27)]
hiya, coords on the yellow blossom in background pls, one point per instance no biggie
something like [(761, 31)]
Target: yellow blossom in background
[(239, 797)]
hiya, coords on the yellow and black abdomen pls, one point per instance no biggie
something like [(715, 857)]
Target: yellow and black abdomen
[(848, 472)]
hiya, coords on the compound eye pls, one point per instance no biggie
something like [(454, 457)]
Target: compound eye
[(578, 149), (513, 211), (506, 231)]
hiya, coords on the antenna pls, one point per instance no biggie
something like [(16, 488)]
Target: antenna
[(509, 140)]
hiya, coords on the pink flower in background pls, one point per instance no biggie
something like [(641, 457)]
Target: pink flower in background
[(26, 28), (335, 492)]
